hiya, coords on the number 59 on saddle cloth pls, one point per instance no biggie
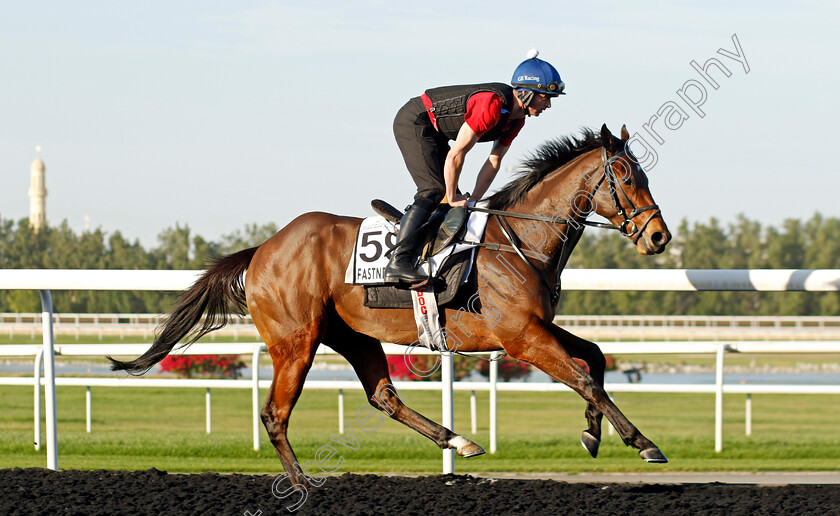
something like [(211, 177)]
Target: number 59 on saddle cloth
[(377, 236), (370, 254), (367, 264)]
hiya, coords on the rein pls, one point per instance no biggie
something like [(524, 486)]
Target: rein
[(559, 261), (541, 218)]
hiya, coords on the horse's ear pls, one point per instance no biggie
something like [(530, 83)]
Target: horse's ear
[(624, 134), (606, 137), (607, 140)]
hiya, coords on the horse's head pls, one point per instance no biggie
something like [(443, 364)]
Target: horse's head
[(623, 196)]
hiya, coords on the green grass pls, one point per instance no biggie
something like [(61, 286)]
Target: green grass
[(141, 428)]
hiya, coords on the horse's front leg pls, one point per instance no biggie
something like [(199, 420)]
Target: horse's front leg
[(538, 346), (590, 353)]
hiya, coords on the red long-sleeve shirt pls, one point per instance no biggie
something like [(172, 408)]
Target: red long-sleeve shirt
[(484, 110)]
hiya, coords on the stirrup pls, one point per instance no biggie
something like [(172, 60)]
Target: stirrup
[(421, 285), (398, 279), (398, 272)]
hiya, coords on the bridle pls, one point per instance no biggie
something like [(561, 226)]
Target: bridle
[(611, 180), (559, 261), (626, 218)]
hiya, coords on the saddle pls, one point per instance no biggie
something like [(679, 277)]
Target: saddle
[(451, 290), (445, 225)]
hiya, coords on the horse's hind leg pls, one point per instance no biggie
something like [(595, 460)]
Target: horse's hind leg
[(367, 358), (590, 353), (292, 357)]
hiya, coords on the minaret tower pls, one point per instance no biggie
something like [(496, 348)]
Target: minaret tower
[(37, 194)]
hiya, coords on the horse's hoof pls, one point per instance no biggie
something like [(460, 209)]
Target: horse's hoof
[(653, 455), (464, 447), (590, 443), (471, 450)]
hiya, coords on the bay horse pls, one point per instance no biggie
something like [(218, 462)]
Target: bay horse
[(297, 296)]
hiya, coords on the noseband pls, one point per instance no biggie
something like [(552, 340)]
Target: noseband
[(627, 227)]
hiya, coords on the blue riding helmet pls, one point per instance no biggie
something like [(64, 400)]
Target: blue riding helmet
[(536, 75)]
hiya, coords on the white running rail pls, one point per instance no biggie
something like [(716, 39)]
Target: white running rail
[(45, 280)]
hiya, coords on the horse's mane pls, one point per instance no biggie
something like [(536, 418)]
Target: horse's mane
[(548, 157)]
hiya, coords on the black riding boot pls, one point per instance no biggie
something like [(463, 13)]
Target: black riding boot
[(401, 267)]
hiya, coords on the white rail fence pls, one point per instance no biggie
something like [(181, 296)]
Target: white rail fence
[(108, 324), (594, 327), (574, 279), (717, 348)]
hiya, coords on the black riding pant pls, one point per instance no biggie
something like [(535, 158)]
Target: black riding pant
[(424, 150)]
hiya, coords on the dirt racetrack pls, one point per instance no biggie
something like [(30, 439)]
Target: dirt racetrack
[(40, 491)]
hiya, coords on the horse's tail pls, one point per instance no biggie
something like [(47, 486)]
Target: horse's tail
[(218, 292)]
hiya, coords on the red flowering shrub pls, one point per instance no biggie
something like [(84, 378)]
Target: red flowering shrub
[(426, 368), (225, 366), (611, 363), (581, 363), (508, 369)]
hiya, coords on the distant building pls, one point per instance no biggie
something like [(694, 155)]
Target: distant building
[(37, 195)]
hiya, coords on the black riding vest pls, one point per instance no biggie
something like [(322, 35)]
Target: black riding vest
[(449, 105)]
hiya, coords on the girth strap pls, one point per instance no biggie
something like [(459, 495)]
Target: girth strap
[(515, 243)]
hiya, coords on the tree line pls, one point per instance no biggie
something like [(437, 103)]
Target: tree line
[(61, 248), (744, 244)]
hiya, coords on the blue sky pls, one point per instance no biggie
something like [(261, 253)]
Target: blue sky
[(219, 114)]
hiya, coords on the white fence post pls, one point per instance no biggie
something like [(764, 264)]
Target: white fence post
[(39, 358), (494, 377), (255, 394), (207, 409), (88, 410), (341, 411), (748, 416), (719, 398), (447, 402), (49, 376), (473, 412)]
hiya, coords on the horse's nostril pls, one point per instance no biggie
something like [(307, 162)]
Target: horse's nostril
[(657, 238)]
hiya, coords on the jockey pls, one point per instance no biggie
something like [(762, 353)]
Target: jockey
[(468, 114)]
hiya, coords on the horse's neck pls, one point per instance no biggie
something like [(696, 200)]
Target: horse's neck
[(564, 194)]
